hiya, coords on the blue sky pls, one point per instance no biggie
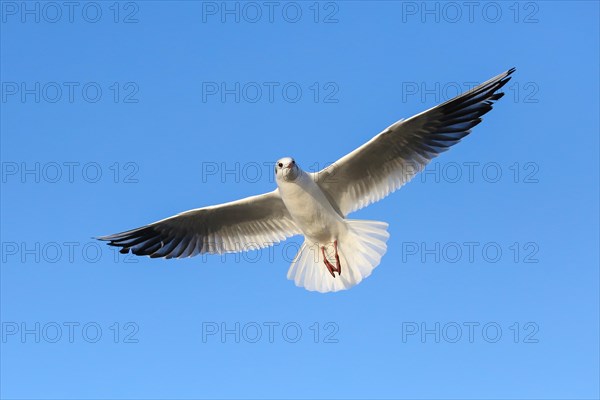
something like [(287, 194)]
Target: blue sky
[(115, 115)]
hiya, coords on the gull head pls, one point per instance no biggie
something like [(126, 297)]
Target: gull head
[(286, 169)]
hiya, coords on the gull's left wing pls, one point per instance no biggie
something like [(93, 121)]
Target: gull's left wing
[(247, 224), (393, 157)]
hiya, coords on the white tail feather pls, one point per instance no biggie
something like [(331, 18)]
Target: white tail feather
[(360, 251)]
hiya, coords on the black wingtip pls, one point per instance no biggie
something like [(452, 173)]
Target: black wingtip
[(507, 75)]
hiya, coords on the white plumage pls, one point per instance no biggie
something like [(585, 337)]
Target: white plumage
[(337, 253)]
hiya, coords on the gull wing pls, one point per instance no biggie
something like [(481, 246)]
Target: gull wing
[(247, 224), (396, 155)]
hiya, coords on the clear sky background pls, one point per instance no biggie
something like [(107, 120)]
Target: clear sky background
[(489, 288)]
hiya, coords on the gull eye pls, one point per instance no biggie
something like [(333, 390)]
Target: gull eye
[(280, 165), (293, 162)]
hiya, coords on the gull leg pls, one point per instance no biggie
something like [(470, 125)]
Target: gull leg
[(337, 259), (329, 266)]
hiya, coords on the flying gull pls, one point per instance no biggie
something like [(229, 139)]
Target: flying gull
[(337, 252)]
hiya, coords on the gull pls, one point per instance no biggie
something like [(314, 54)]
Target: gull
[(337, 252)]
